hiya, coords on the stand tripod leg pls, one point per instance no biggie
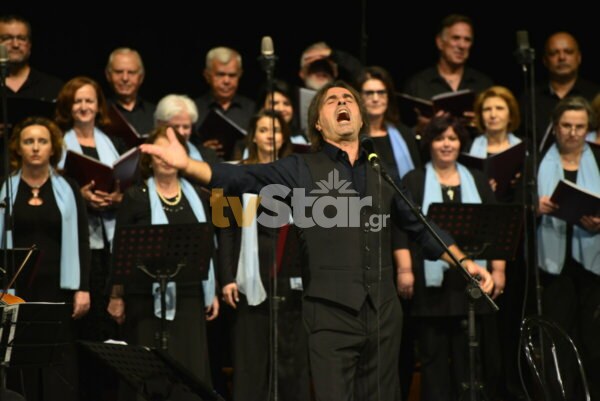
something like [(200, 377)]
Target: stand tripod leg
[(474, 388)]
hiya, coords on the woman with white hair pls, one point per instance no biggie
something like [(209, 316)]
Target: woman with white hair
[(180, 112)]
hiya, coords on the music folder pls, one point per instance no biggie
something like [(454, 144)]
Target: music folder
[(502, 166), (455, 103), (574, 202), (217, 125), (84, 169), (120, 127)]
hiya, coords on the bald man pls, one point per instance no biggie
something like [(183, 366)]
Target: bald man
[(562, 58)]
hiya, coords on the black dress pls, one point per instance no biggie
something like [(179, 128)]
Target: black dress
[(440, 312), (187, 332), (42, 226), (252, 326)]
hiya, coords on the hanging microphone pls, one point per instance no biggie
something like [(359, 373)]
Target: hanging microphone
[(524, 53), (367, 144), (267, 55)]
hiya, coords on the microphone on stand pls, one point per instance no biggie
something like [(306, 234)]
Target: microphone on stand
[(524, 53), (367, 144), (267, 55)]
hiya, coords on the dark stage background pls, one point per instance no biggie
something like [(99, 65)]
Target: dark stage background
[(173, 38)]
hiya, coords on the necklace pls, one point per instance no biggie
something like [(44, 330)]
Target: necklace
[(35, 199), (175, 200), (449, 191)]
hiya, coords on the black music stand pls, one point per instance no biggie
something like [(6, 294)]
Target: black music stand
[(151, 373), (484, 231), (159, 252), (30, 336)]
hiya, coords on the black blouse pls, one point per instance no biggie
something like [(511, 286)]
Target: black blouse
[(42, 226)]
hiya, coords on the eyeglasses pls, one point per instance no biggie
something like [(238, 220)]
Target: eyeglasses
[(369, 93), (10, 38), (577, 129)]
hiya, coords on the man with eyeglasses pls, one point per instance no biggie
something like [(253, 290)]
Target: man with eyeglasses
[(23, 80)]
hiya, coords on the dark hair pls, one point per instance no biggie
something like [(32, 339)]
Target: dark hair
[(576, 103), (436, 127), (505, 94), (316, 138), (56, 137), (453, 19), (66, 98), (279, 86), (286, 146), (381, 74), (8, 19), (146, 159)]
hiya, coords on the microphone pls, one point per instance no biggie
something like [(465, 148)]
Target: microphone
[(267, 55), (3, 63), (367, 144), (524, 53)]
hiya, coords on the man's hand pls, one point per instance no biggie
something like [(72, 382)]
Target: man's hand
[(485, 278), (174, 154)]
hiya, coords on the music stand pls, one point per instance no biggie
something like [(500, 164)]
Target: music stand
[(30, 335), (21, 277), (159, 252), (151, 373), (485, 232)]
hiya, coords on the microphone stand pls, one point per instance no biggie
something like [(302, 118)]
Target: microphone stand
[(268, 64), (473, 290), (525, 58)]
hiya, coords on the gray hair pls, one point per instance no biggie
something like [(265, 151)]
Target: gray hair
[(576, 103), (171, 105), (223, 55), (125, 51)]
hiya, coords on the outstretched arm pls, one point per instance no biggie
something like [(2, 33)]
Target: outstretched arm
[(486, 283), (175, 155)]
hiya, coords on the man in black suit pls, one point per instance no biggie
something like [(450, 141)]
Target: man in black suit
[(351, 309)]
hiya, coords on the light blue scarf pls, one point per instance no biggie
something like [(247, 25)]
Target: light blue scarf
[(480, 144), (404, 162), (158, 216), (193, 152), (248, 269), (552, 231), (108, 155), (69, 245), (434, 270)]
